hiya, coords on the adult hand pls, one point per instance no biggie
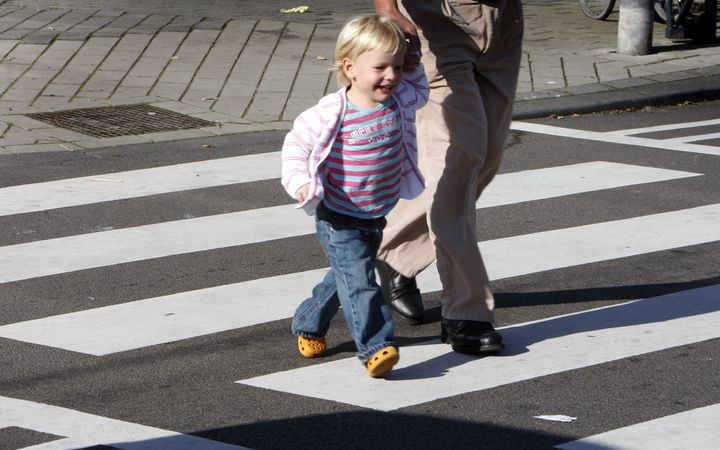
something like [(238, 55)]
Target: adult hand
[(389, 8)]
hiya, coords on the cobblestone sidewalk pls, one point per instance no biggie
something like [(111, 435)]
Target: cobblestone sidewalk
[(247, 72)]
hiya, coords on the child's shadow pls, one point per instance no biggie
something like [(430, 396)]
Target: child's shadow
[(434, 367)]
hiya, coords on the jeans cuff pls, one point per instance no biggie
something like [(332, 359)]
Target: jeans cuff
[(307, 335)]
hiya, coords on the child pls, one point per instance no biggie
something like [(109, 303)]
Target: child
[(348, 160)]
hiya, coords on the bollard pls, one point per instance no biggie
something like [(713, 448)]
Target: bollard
[(635, 27)]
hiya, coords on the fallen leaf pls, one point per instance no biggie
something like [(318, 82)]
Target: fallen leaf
[(297, 9)]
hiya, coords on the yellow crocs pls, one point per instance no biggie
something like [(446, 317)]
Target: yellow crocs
[(311, 347), (382, 361)]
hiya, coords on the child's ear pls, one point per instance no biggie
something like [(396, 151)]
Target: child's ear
[(348, 68)]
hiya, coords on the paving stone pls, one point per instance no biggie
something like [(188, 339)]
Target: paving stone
[(164, 44), (120, 25), (86, 94), (130, 91), (110, 142), (25, 53), (79, 34), (151, 24), (20, 121), (85, 28), (14, 135), (70, 19), (182, 24), (52, 102), (266, 106), (12, 19), (238, 128), (43, 37), (26, 82), (170, 91), (220, 118), (178, 135), (20, 94), (138, 82), (74, 74), (6, 47), (60, 134), (210, 24), (41, 148), (98, 85)]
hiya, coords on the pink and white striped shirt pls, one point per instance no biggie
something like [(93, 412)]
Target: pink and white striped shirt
[(362, 171), (307, 146)]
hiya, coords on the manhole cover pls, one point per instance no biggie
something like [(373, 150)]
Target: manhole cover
[(121, 120)]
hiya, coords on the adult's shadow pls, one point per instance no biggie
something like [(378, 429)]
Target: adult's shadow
[(520, 338)]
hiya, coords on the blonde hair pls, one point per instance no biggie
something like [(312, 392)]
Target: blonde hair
[(364, 34)]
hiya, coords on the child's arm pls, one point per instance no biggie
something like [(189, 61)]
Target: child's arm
[(415, 87), (296, 151)]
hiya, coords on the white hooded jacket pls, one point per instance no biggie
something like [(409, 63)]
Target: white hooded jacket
[(309, 142)]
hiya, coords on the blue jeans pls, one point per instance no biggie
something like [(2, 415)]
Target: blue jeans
[(351, 245)]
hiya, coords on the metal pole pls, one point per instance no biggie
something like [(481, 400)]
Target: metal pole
[(635, 27)]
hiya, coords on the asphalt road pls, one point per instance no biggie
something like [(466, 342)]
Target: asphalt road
[(169, 308)]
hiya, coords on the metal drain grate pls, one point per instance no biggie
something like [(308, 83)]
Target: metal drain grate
[(121, 120)]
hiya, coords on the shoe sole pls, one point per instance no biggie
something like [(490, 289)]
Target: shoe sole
[(382, 362), (475, 350), (472, 349)]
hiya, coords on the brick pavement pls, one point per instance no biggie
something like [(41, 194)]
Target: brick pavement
[(249, 72)]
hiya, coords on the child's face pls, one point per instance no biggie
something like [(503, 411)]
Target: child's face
[(374, 75)]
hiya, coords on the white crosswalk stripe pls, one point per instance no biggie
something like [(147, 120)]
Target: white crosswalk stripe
[(616, 138), (694, 429), (87, 430), (137, 183), (157, 320), (50, 257), (429, 371)]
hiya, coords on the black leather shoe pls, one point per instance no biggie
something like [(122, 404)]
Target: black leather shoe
[(401, 293), (469, 336)]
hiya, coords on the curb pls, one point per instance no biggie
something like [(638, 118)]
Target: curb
[(699, 88)]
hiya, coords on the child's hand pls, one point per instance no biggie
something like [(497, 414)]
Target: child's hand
[(411, 61), (412, 52), (302, 192)]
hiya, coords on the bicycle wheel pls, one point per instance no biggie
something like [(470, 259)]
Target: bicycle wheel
[(680, 8), (597, 9)]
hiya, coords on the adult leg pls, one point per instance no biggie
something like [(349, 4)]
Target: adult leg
[(471, 53), (468, 313), (452, 139)]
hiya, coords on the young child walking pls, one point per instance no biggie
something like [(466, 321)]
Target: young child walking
[(348, 160)]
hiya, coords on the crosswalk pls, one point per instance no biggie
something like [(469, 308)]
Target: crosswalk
[(428, 372)]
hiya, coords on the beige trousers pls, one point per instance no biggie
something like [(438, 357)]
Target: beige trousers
[(471, 51)]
